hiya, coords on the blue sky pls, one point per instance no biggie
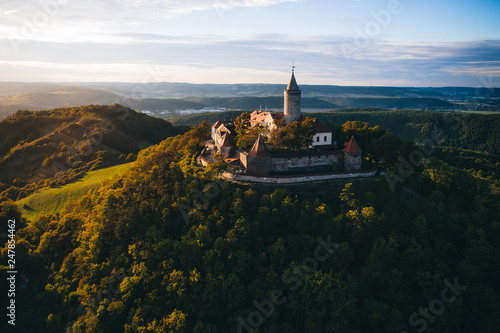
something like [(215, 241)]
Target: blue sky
[(341, 42)]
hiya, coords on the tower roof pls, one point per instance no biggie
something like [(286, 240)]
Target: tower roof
[(227, 140), (292, 85), (259, 149), (320, 127), (352, 146)]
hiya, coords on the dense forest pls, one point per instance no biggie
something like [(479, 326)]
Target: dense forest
[(169, 248), (464, 131), (54, 147)]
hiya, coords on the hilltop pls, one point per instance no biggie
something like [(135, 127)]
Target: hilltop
[(42, 96), (53, 147), (191, 253)]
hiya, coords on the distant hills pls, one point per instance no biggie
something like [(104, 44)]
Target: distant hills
[(179, 96), (166, 89), (42, 96), (276, 102)]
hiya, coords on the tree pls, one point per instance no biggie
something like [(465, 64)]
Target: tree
[(276, 135), (220, 165), (242, 123), (296, 134), (246, 134)]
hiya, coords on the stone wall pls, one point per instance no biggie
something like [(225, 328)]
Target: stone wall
[(258, 166), (297, 179), (227, 151), (307, 164), (352, 161)]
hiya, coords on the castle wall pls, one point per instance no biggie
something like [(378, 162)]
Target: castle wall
[(227, 151), (297, 179), (258, 166), (307, 164), (352, 161)]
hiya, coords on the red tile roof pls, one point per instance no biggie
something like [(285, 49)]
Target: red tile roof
[(259, 149), (259, 116), (318, 126), (352, 146), (321, 128)]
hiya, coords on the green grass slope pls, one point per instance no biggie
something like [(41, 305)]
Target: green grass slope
[(53, 200)]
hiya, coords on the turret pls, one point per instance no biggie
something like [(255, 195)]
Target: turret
[(258, 161), (352, 155)]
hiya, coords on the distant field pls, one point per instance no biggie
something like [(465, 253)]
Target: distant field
[(468, 111), (481, 112), (53, 200)]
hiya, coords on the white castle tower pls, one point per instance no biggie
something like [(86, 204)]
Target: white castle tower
[(292, 100)]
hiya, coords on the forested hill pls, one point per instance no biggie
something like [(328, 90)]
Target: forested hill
[(168, 248), (465, 131), (62, 143)]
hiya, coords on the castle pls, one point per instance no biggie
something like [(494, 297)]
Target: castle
[(260, 161)]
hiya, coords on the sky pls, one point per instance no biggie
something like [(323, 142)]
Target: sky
[(411, 43)]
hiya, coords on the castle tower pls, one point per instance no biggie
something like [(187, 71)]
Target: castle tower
[(258, 160), (352, 155), (292, 100)]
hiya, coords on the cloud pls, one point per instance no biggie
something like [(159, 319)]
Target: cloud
[(258, 58), (115, 11), (88, 20), (184, 6)]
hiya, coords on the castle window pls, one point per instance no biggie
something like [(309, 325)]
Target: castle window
[(317, 139), (325, 138)]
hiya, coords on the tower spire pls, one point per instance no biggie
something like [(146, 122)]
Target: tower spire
[(292, 85)]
